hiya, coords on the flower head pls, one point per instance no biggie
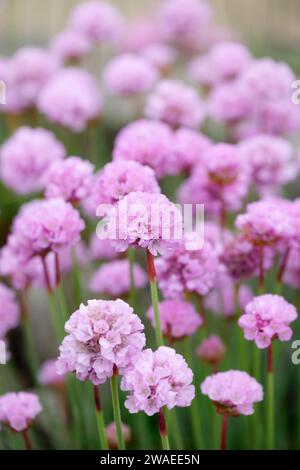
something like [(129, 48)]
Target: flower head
[(48, 374), (156, 379), (160, 55), (70, 45), (111, 434), (189, 148), (233, 392), (101, 249), (211, 350), (18, 410), (178, 319), (266, 318), (9, 312), (102, 335), (26, 156)]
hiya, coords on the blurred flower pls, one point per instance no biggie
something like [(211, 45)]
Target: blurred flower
[(147, 142), (160, 55), (226, 301), (70, 45), (71, 98), (26, 156), (233, 392), (103, 335), (101, 249), (229, 103), (211, 350), (48, 375), (9, 312), (189, 148), (157, 379), (18, 410), (129, 75), (178, 319), (176, 104), (266, 318), (111, 434), (113, 278)]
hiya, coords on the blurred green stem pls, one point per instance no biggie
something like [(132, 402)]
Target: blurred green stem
[(116, 409)]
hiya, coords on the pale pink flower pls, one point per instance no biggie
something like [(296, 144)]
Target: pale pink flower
[(189, 148), (212, 350), (18, 410), (101, 249), (111, 434), (48, 374), (70, 45), (160, 55)]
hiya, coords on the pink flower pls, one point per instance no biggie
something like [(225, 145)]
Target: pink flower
[(160, 55), (189, 148), (233, 392), (102, 249), (139, 33), (71, 99), (156, 379), (30, 69), (147, 142), (225, 301), (98, 21), (45, 225), (182, 21), (211, 350), (187, 270), (111, 434), (102, 335), (178, 319), (229, 103), (26, 156), (271, 161), (70, 180), (48, 375), (176, 104), (9, 312), (117, 179), (219, 182), (113, 278), (18, 410), (70, 45), (129, 75), (291, 274), (266, 318), (143, 220)]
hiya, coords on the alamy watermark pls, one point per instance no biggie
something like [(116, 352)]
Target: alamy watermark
[(3, 355), (296, 353), (2, 92)]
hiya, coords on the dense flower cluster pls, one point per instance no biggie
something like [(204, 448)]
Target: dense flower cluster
[(18, 410)]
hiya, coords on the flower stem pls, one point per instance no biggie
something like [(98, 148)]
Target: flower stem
[(26, 439), (270, 402), (154, 297), (162, 426), (224, 432), (28, 339), (116, 408), (100, 419), (174, 426), (132, 293)]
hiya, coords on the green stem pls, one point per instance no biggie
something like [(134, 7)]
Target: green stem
[(154, 297), (100, 419), (174, 426), (76, 280), (162, 427), (270, 403), (132, 293), (116, 409), (62, 302)]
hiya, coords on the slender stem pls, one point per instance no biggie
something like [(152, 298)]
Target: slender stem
[(270, 402), (162, 427), (28, 339), (76, 280), (261, 270), (174, 428), (26, 439), (132, 294), (224, 432), (46, 275), (116, 408), (154, 297), (100, 419), (283, 265)]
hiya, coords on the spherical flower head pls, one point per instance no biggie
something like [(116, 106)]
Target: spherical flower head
[(18, 410), (119, 178), (267, 318), (30, 69), (265, 223), (101, 249), (156, 379), (241, 258), (48, 375), (144, 220), (129, 75), (99, 21), (229, 103), (176, 104), (199, 70), (181, 21), (71, 99), (187, 270), (139, 33), (25, 158), (147, 142), (102, 336), (271, 161), (113, 278), (46, 225), (233, 392), (291, 275), (211, 350), (178, 319), (229, 59), (70, 45), (111, 434), (70, 180), (160, 55), (189, 148), (9, 312)]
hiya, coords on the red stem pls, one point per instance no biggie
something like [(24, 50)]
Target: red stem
[(57, 269), (224, 432), (46, 275), (97, 399), (270, 358), (151, 267), (26, 439), (162, 423), (283, 264)]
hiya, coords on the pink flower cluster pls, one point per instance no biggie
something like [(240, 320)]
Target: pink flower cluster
[(70, 45), (266, 318), (9, 312), (178, 319), (233, 392), (18, 410), (211, 350), (102, 335), (48, 374), (157, 379)]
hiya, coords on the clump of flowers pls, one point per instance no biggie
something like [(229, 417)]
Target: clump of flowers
[(18, 410)]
